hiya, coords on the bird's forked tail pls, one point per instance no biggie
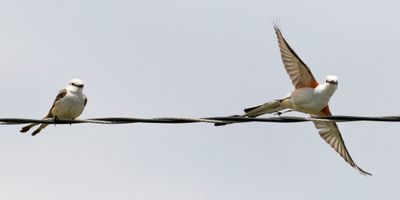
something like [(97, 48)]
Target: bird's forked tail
[(270, 107), (266, 108)]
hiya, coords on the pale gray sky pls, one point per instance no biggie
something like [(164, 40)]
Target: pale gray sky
[(178, 58)]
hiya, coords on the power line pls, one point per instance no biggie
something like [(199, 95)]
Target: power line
[(181, 120)]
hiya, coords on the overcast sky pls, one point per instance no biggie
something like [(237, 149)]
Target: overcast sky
[(185, 58)]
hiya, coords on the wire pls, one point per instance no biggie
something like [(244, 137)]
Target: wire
[(218, 120)]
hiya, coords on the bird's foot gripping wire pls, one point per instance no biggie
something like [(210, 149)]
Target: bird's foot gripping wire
[(55, 121), (279, 113)]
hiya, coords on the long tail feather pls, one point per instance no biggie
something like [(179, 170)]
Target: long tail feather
[(270, 107), (42, 126), (26, 128)]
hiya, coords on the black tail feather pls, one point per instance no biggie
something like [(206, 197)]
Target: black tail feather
[(27, 128), (251, 108)]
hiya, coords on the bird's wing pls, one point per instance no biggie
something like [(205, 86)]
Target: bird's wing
[(61, 94), (298, 71), (329, 131), (85, 100)]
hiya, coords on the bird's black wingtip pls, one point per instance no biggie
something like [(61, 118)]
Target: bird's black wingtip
[(276, 24), (365, 173)]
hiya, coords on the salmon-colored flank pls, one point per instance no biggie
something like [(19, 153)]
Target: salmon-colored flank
[(326, 111), (314, 84)]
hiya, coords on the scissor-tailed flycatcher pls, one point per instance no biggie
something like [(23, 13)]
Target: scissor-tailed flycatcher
[(68, 105), (308, 97)]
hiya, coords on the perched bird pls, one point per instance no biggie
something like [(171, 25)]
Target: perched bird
[(308, 97), (68, 105)]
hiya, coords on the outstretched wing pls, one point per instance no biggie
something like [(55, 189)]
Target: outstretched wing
[(329, 131), (298, 71), (59, 96)]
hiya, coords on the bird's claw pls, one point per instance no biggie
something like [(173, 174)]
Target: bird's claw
[(55, 121), (279, 113)]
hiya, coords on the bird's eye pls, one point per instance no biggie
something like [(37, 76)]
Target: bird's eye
[(76, 85), (331, 82)]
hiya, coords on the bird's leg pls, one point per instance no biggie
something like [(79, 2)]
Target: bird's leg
[(279, 113), (55, 121)]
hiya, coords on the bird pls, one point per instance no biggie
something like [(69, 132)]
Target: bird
[(308, 97), (68, 105)]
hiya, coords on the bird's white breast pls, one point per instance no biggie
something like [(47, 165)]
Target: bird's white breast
[(69, 107), (311, 100)]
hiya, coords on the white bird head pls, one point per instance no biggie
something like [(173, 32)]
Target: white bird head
[(332, 80), (77, 83)]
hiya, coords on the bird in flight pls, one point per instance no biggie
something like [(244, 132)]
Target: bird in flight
[(308, 97), (68, 105)]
